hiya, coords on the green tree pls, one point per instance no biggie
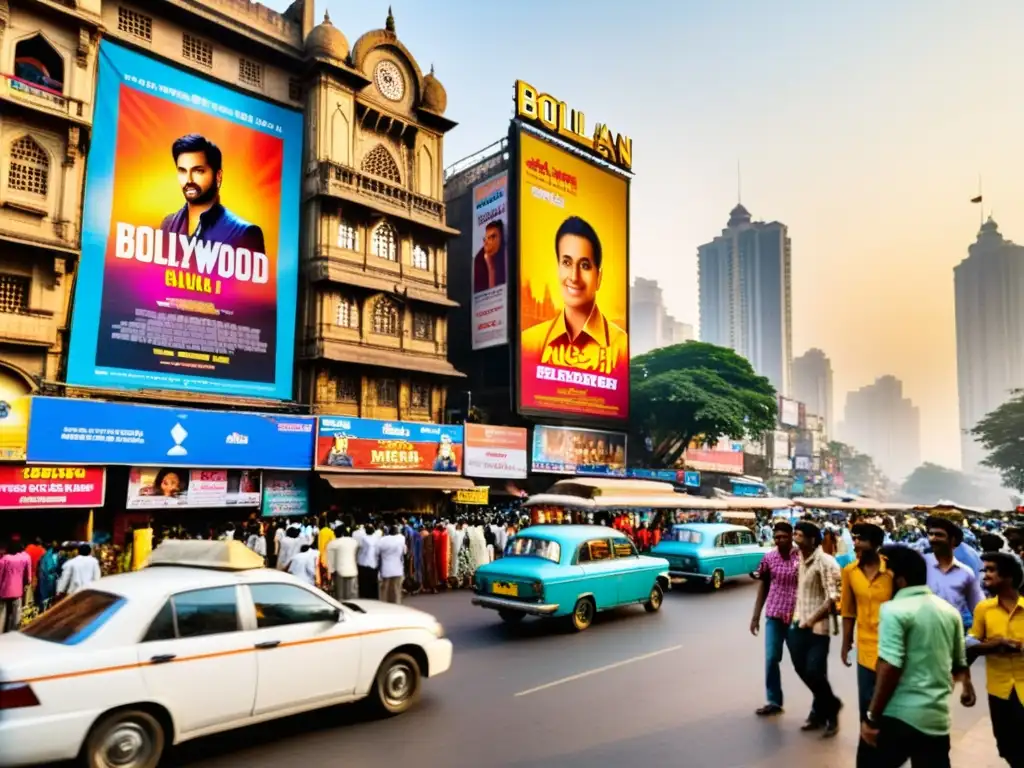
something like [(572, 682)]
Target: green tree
[(930, 483), (694, 390), (1002, 435)]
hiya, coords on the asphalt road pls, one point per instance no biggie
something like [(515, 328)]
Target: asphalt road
[(675, 688)]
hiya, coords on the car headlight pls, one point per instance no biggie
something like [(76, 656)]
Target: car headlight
[(437, 629)]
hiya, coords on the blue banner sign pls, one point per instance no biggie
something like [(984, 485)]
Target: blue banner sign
[(691, 479), (663, 475), (285, 495), (71, 431)]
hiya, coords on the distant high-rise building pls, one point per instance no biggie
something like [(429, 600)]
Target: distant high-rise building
[(989, 285), (651, 327), (880, 422), (812, 385), (746, 294)]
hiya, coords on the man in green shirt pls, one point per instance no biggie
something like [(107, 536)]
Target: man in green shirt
[(921, 653)]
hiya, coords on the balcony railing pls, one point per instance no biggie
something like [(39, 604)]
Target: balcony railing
[(28, 325), (21, 90), (336, 178)]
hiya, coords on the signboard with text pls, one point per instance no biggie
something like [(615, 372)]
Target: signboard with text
[(369, 445), (490, 263), (28, 487), (150, 487), (571, 451), (496, 451)]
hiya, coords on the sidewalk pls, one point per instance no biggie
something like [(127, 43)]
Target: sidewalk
[(976, 747)]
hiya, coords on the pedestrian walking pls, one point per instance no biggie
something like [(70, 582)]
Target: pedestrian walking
[(366, 559), (305, 565), (78, 572), (341, 563), (776, 596), (15, 582), (998, 635), (818, 581), (950, 579), (391, 553), (921, 654), (290, 546), (866, 585)]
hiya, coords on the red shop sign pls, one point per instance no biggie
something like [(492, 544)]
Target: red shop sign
[(61, 486)]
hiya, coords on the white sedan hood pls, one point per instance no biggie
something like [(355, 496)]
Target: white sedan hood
[(377, 608)]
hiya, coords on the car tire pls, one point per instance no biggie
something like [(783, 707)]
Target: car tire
[(511, 617), (127, 738), (655, 599), (582, 614), (397, 684), (717, 579)]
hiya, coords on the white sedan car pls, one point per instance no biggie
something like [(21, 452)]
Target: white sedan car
[(194, 644)]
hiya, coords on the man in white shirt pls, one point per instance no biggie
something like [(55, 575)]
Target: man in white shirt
[(341, 563), (78, 572), (366, 560), (304, 565), (391, 554), (290, 546)]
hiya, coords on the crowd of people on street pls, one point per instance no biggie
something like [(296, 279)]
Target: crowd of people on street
[(918, 620), (33, 576)]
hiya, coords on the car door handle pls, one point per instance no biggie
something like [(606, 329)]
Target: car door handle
[(163, 659), (268, 645)]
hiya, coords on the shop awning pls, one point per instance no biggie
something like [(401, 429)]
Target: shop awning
[(411, 482)]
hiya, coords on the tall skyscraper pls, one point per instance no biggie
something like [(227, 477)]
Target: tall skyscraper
[(812, 385), (881, 422), (989, 285), (652, 327), (746, 294)]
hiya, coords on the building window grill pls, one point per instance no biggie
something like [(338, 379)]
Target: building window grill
[(379, 162), (420, 257), (197, 50), (250, 73), (135, 24), (29, 170), (385, 242), (385, 318), (13, 294), (387, 393)]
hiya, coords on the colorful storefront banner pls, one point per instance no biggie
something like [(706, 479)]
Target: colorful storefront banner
[(98, 432), (29, 487), (369, 445), (496, 451), (152, 487), (189, 268), (575, 451), (705, 460), (477, 496), (490, 264), (285, 495), (573, 267)]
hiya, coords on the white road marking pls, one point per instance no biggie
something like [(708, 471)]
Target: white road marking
[(599, 670)]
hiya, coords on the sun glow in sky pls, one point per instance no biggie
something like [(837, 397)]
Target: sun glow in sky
[(863, 126)]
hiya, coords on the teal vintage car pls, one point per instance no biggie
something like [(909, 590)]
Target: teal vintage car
[(710, 552), (570, 571)]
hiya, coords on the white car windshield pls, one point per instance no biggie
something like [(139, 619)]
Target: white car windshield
[(686, 536), (527, 546)]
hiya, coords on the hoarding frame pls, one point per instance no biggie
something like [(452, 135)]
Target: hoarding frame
[(516, 129)]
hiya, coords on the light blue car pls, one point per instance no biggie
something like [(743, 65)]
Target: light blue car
[(710, 552), (570, 571)]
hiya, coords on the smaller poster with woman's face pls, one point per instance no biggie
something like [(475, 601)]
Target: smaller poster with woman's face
[(153, 487)]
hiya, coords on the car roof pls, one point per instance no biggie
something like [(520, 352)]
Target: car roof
[(571, 534), (170, 579), (713, 528)]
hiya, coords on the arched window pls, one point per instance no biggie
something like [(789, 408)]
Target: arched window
[(38, 63), (379, 162), (29, 170), (385, 317), (384, 242), (348, 313)]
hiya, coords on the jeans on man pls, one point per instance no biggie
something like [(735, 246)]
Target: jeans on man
[(867, 756), (899, 742), (810, 658), (776, 634)]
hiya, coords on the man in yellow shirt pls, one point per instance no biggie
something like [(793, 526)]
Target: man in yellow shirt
[(866, 584), (998, 635)]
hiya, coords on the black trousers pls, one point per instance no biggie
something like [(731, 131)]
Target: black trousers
[(1008, 728), (899, 742), (369, 585)]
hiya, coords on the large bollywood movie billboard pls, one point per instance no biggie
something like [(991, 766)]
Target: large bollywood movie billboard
[(573, 235), (189, 265), (490, 262)]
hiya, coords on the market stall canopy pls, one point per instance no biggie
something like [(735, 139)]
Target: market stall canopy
[(946, 506), (592, 487), (216, 555), (757, 502), (852, 505), (412, 482)]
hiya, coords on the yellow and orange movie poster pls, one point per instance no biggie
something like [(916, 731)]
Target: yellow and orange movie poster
[(573, 284)]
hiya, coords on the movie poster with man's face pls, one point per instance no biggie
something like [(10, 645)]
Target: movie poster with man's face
[(573, 284), (190, 238)]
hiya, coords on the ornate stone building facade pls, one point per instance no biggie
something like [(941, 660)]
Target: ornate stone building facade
[(374, 303), (47, 71)]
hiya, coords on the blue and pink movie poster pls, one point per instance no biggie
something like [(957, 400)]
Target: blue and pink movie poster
[(189, 267)]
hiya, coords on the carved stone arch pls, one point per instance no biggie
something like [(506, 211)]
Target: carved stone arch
[(18, 374), (385, 316), (29, 165), (380, 162), (51, 54)]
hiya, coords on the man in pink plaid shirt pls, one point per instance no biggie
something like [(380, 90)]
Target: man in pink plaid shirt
[(777, 597)]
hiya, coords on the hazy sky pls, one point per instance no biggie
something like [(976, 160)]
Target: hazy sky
[(863, 126)]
